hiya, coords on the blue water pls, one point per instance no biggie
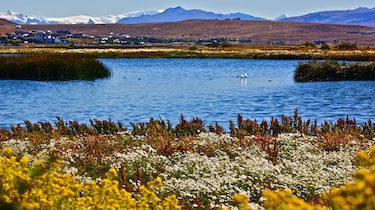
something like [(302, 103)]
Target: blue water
[(210, 89)]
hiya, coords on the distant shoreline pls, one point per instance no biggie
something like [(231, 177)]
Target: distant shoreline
[(260, 52)]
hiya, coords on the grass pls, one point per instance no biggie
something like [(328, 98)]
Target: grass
[(51, 67), (334, 131), (334, 71), (240, 52)]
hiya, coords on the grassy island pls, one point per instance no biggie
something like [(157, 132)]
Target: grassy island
[(51, 67), (334, 71)]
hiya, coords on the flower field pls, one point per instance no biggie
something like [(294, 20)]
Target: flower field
[(283, 164)]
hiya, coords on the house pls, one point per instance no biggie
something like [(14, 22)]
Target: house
[(78, 35), (3, 39), (277, 42), (53, 38), (57, 40), (124, 37), (63, 32), (320, 42), (40, 35), (19, 34)]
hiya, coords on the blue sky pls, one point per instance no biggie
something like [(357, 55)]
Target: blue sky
[(260, 8)]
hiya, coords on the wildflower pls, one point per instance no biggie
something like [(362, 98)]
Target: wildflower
[(24, 161), (240, 198), (158, 182), (8, 152), (112, 173)]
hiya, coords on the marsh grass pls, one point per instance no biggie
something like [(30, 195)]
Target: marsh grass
[(51, 67), (334, 71), (164, 130)]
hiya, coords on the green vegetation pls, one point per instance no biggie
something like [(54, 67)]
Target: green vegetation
[(325, 47), (220, 44), (347, 46), (51, 67), (308, 45), (334, 71)]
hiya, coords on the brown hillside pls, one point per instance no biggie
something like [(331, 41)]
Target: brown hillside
[(260, 32), (6, 26), (5, 22)]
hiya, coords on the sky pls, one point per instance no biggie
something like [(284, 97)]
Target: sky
[(259, 8)]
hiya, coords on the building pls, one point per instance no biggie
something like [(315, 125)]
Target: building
[(3, 39)]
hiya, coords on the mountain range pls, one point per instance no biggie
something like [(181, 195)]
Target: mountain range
[(20, 18), (179, 14), (360, 16)]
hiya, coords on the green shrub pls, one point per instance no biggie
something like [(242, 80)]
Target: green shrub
[(347, 46), (308, 45), (325, 47), (219, 44), (334, 71), (193, 48)]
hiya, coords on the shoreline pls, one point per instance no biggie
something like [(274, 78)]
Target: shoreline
[(205, 52)]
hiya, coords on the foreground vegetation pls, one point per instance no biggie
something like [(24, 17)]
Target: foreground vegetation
[(190, 165), (334, 71), (51, 67)]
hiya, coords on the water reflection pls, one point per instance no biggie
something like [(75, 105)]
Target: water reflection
[(244, 82)]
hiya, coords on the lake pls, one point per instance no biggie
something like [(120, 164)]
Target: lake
[(210, 89)]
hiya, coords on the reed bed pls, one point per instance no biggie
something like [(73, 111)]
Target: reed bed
[(51, 67), (334, 71), (187, 128)]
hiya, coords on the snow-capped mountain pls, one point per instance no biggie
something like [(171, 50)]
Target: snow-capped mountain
[(179, 14), (14, 17), (20, 18), (283, 16)]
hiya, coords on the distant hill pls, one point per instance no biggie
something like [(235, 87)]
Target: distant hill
[(179, 14), (5, 22), (259, 32), (360, 16), (6, 26)]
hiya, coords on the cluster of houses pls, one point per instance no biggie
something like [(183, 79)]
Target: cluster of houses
[(58, 37), (361, 32)]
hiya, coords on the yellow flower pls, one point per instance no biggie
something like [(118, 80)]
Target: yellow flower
[(284, 199), (8, 152), (241, 198), (24, 161), (158, 182), (112, 173), (38, 164)]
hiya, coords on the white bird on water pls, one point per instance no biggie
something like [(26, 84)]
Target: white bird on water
[(244, 75)]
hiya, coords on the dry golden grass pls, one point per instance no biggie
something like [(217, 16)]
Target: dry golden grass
[(366, 54)]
